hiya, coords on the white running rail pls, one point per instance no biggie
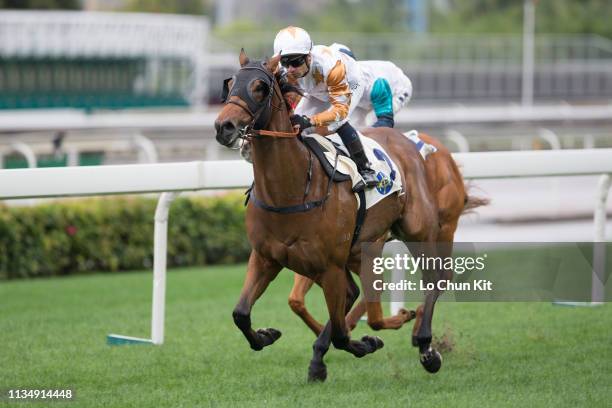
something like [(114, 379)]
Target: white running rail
[(172, 178)]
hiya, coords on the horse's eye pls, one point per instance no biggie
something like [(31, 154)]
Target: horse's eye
[(259, 91)]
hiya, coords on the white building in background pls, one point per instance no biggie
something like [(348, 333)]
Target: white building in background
[(152, 55)]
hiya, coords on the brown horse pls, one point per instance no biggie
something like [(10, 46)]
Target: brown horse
[(446, 183), (298, 219)]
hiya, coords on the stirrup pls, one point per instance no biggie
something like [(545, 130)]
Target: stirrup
[(369, 177)]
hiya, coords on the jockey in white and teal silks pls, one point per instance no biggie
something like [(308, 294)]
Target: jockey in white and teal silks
[(386, 90)]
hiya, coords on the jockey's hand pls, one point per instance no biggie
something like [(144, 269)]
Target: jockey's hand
[(302, 121)]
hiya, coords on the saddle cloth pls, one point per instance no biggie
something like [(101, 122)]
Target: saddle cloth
[(387, 174), (425, 149), (389, 178)]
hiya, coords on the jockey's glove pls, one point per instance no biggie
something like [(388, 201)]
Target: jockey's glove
[(302, 121)]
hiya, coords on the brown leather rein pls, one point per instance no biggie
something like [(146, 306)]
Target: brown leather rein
[(277, 134)]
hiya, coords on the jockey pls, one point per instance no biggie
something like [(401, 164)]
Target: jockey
[(332, 85), (387, 90)]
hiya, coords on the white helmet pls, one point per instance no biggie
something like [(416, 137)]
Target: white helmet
[(292, 40), (344, 49)]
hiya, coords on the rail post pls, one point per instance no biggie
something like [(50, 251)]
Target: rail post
[(159, 266), (599, 245)]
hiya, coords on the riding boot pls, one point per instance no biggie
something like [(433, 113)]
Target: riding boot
[(351, 140), (363, 165)]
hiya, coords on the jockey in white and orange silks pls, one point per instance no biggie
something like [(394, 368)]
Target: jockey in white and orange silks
[(332, 83), (386, 90)]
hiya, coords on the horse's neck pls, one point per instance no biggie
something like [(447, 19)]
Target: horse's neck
[(280, 165)]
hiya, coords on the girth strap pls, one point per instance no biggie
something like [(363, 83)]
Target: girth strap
[(361, 213), (291, 209)]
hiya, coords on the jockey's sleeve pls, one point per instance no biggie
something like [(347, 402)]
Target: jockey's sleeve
[(382, 98), (339, 97)]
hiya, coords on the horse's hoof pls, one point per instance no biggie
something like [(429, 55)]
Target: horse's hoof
[(317, 373), (375, 342), (431, 360), (267, 337), (415, 342), (273, 333), (408, 315)]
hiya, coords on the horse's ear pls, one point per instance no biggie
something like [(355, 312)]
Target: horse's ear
[(243, 58), (273, 62)]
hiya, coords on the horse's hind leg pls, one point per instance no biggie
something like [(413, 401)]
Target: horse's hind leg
[(422, 334), (451, 203), (376, 319), (419, 230), (372, 305), (260, 272), (352, 318), (301, 286)]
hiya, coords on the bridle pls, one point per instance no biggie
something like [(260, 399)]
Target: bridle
[(260, 112)]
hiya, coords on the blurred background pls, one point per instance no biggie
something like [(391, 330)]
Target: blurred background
[(94, 82)]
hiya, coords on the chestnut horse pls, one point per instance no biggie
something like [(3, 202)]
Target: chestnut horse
[(299, 219), (446, 183)]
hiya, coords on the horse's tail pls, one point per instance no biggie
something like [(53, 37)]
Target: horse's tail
[(470, 202)]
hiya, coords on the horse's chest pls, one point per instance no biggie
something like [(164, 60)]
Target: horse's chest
[(303, 256)]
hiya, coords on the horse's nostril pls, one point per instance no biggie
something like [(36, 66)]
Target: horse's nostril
[(225, 128), (226, 132), (229, 127)]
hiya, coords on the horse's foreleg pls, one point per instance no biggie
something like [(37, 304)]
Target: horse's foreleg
[(260, 272), (301, 286), (317, 371), (338, 305)]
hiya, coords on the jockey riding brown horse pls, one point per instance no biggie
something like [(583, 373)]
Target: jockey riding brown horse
[(299, 219)]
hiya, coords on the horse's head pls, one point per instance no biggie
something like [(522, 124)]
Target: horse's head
[(248, 99)]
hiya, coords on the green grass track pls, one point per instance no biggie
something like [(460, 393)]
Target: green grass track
[(52, 335)]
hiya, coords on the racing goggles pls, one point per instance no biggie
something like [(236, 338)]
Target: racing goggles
[(293, 60)]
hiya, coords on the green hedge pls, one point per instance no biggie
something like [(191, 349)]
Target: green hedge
[(116, 234)]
